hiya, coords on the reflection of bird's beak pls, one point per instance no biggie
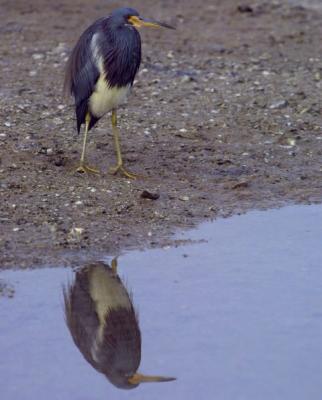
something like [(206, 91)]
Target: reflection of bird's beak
[(138, 22), (139, 378)]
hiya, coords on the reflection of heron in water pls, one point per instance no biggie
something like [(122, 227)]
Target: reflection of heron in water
[(104, 325)]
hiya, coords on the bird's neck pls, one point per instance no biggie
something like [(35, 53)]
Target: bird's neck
[(121, 55)]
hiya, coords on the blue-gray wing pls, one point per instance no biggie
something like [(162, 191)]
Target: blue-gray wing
[(82, 72), (81, 318)]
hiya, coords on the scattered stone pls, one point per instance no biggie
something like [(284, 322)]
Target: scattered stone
[(291, 141), (75, 234), (240, 185), (184, 198), (37, 56), (187, 78), (278, 104), (149, 195), (245, 8), (58, 121)]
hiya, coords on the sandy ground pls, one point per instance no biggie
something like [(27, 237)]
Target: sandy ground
[(225, 116)]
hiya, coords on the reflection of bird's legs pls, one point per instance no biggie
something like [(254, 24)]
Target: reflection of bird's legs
[(82, 166), (119, 165), (114, 265)]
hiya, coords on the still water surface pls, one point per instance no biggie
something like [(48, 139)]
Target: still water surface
[(235, 316)]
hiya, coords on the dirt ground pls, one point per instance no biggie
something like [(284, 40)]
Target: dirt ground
[(225, 116)]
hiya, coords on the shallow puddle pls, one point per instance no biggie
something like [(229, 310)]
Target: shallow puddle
[(236, 315)]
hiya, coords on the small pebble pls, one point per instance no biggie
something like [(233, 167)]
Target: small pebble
[(278, 104), (57, 121), (37, 56), (184, 198), (149, 195), (186, 78)]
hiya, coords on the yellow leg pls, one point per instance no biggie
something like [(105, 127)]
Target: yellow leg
[(119, 165), (82, 166)]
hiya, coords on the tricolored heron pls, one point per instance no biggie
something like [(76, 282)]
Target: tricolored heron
[(101, 70), (104, 325)]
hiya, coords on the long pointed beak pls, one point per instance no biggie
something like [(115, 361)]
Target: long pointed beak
[(140, 378), (155, 24), (138, 22)]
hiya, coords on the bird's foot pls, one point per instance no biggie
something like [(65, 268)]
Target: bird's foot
[(126, 173), (86, 169)]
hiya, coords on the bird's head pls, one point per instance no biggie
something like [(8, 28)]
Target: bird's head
[(129, 16)]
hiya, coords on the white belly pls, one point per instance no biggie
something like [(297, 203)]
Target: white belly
[(105, 98), (108, 294)]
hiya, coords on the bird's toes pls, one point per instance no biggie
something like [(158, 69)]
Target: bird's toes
[(123, 171), (85, 169)]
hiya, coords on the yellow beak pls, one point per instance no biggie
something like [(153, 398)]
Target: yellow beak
[(139, 378), (138, 22)]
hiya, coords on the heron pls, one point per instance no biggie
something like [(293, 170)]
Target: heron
[(104, 325), (100, 73)]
